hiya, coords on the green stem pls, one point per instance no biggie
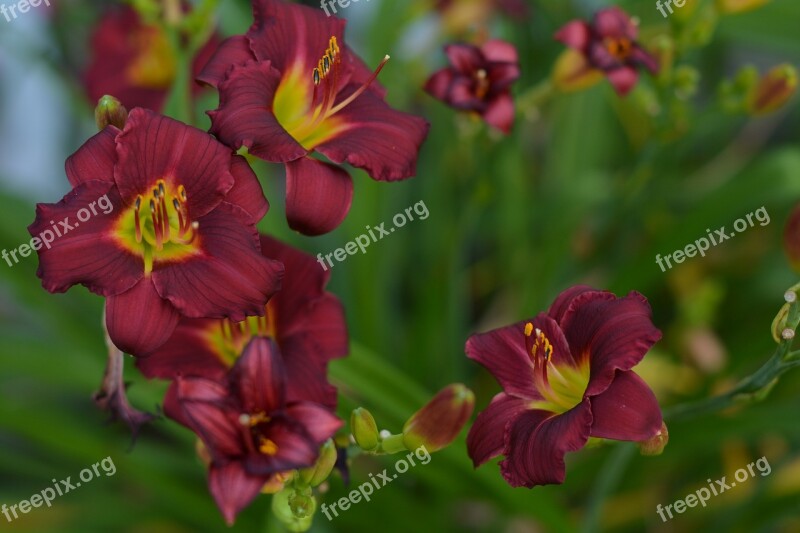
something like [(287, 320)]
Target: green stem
[(536, 96), (607, 480)]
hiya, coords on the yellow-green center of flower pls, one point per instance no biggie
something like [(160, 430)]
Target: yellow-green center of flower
[(157, 227), (561, 386), (228, 339), (307, 111)]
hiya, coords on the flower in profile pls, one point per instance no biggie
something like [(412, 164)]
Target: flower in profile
[(609, 45), (479, 80), (291, 87), (306, 323), (773, 90), (134, 61), (171, 231), (250, 431), (440, 421), (566, 376)]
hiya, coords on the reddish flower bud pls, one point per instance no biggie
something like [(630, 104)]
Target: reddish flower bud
[(774, 89), (109, 110), (438, 423)]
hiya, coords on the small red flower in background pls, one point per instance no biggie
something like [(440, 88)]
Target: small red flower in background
[(178, 237), (250, 430), (566, 376), (306, 323), (291, 87), (609, 44), (134, 62), (479, 80)]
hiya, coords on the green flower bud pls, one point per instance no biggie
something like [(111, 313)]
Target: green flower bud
[(656, 444), (438, 423), (364, 428), (109, 110), (322, 469), (295, 508)]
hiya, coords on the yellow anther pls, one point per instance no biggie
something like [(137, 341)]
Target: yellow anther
[(528, 329)]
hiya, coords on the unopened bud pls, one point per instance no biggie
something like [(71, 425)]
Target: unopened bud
[(728, 7), (773, 90), (110, 111), (322, 469), (779, 323), (655, 445), (295, 508), (438, 423), (364, 428)]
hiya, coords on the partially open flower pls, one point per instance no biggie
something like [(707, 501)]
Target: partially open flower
[(479, 80), (609, 44), (773, 90), (566, 376), (440, 421)]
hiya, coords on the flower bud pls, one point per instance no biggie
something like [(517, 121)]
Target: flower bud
[(438, 423), (322, 469), (779, 323), (774, 89), (364, 428), (109, 110), (295, 508), (655, 445), (727, 7)]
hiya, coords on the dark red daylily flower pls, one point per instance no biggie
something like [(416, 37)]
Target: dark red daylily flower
[(134, 61), (249, 429), (566, 376), (479, 80), (176, 236), (291, 87), (609, 44), (306, 322)]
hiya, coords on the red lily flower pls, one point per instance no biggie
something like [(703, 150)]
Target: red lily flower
[(249, 429), (306, 322), (176, 236), (291, 87), (479, 80), (566, 376), (134, 62), (609, 44)]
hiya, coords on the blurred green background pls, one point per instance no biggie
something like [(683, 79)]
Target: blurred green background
[(588, 189)]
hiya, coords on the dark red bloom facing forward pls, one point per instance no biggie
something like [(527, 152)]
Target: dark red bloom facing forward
[(306, 323), (291, 87), (250, 430), (479, 80), (176, 235), (609, 44), (566, 376)]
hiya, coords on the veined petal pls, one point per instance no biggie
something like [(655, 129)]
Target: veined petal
[(320, 422), (375, 137), (185, 353), (537, 442), (95, 159), (230, 279), (500, 113), (318, 195), (232, 51), (247, 192), (486, 436), (306, 378), (233, 488), (153, 147), (502, 352), (258, 377), (563, 301), (84, 252), (245, 115), (139, 321), (626, 410)]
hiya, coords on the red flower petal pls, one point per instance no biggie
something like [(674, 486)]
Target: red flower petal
[(575, 34), (500, 113), (295, 448), (377, 138), (247, 192), (561, 354), (614, 23), (623, 79), (186, 352), (83, 252), (465, 58), (95, 159), (318, 195), (306, 378), (153, 147), (320, 423), (139, 321), (615, 333), (231, 279), (486, 436), (232, 51), (537, 442), (245, 117), (233, 488), (258, 377), (438, 85), (563, 300), (640, 56), (499, 50), (502, 352), (627, 410)]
